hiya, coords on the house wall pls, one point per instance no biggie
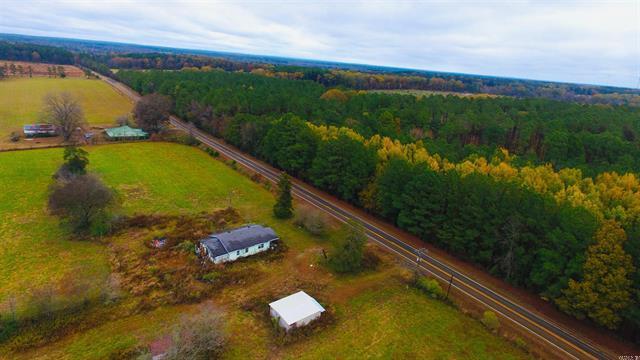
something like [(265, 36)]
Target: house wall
[(234, 255)]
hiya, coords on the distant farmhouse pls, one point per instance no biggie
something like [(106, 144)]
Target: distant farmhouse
[(237, 243), (37, 130), (126, 133), (295, 310)]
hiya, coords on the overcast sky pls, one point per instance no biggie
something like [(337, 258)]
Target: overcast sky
[(594, 42)]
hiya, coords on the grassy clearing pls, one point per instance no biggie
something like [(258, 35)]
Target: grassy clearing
[(422, 93), (377, 315), (21, 100), (391, 321), (33, 248), (150, 177)]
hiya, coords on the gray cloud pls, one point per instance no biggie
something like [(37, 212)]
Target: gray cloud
[(576, 41)]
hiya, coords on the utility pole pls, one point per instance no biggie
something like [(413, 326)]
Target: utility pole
[(420, 254), (449, 287)]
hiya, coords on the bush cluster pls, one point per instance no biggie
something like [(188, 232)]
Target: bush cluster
[(430, 287)]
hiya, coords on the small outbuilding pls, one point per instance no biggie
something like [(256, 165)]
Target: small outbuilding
[(37, 130), (126, 133), (234, 244), (295, 310)]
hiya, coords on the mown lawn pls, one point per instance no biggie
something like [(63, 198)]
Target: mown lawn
[(395, 322), (21, 100), (377, 315)]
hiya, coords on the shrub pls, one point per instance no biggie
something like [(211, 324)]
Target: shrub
[(348, 256), (490, 320), (15, 136), (257, 178), (187, 247), (8, 327), (521, 343), (430, 287), (199, 337), (189, 140), (211, 152), (102, 224), (211, 276), (311, 220)]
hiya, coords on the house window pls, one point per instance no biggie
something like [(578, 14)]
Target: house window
[(246, 250), (260, 246), (238, 252)]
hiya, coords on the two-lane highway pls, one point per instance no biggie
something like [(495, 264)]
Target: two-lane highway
[(566, 343)]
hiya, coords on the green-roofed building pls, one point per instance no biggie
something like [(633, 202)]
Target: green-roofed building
[(126, 133)]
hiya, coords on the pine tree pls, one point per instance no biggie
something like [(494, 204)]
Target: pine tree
[(283, 209), (604, 291)]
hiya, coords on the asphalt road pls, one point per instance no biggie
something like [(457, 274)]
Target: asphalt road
[(566, 343)]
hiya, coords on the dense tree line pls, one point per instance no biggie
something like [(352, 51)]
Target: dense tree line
[(591, 138), (533, 226), (35, 53), (165, 61), (589, 94), (103, 57)]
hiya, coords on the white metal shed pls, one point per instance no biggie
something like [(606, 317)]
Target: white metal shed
[(295, 310)]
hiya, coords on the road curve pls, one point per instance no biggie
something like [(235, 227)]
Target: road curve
[(567, 344)]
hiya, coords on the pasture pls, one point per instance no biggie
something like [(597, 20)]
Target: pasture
[(376, 314), (21, 100)]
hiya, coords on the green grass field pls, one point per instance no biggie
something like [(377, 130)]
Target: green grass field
[(21, 100), (377, 315), (151, 177)]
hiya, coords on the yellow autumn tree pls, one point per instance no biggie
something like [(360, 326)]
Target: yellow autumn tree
[(605, 289), (608, 196), (334, 94)]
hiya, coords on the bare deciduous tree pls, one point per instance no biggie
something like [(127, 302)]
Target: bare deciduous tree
[(152, 111), (198, 337), (81, 200), (64, 111), (123, 120)]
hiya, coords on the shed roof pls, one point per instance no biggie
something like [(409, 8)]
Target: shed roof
[(237, 239), (125, 131), (296, 307)]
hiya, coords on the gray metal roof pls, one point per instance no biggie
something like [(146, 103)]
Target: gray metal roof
[(237, 239), (214, 246)]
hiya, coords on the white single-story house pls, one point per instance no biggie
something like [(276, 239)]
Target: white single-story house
[(295, 310), (233, 244)]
